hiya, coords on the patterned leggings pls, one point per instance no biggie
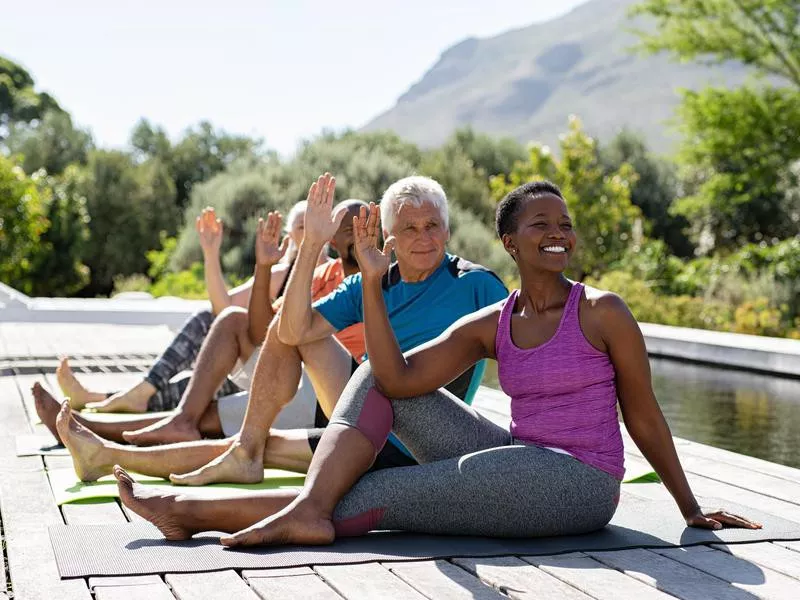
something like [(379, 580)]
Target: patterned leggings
[(179, 356)]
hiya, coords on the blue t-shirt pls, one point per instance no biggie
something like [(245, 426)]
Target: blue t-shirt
[(419, 312)]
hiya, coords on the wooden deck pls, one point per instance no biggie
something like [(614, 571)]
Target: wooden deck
[(28, 353)]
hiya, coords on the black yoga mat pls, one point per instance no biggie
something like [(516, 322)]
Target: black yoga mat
[(139, 549)]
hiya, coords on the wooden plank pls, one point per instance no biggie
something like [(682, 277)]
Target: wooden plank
[(369, 580), (123, 581), (28, 509), (669, 576), (106, 512), (153, 591), (309, 586), (518, 579), (441, 579), (286, 572), (768, 555), (594, 578), (795, 546), (740, 573), (220, 585)]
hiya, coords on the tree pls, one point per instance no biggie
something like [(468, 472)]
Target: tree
[(50, 143), (763, 34), (492, 155), (22, 221), (19, 102), (600, 203), (654, 191)]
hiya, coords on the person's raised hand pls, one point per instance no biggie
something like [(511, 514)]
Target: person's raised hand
[(718, 519), (269, 248), (366, 230), (320, 222), (209, 229)]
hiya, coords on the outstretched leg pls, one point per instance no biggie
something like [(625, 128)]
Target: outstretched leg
[(227, 342), (73, 389), (275, 382)]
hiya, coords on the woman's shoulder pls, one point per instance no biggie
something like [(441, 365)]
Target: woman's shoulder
[(603, 303)]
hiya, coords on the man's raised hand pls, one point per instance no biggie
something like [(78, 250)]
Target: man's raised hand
[(366, 230), (320, 223), (209, 229), (269, 248)]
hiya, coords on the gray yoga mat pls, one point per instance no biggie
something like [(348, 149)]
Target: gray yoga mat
[(139, 548)]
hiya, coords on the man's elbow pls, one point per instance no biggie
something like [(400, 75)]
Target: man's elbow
[(288, 336)]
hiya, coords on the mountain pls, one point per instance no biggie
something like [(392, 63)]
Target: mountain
[(526, 82)]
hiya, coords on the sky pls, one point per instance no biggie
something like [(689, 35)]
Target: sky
[(279, 70)]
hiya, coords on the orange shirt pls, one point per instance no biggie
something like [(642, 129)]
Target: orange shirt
[(327, 278)]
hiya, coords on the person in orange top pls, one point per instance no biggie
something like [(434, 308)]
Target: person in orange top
[(197, 414)]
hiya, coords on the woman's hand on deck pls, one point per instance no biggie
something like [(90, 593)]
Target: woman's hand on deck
[(719, 519), (209, 229), (269, 248), (366, 230)]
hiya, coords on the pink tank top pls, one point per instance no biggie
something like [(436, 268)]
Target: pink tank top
[(563, 392)]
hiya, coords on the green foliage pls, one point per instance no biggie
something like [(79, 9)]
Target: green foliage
[(184, 284), (129, 205), (51, 143), (465, 186), (654, 190), (761, 33), (739, 148), (57, 265), (19, 102), (470, 238), (489, 155), (600, 203), (22, 222)]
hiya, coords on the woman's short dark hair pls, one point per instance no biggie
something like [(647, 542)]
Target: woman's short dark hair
[(507, 210)]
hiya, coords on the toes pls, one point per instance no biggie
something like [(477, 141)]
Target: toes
[(122, 475)]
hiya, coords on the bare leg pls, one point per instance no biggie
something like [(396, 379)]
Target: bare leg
[(133, 400), (275, 382), (48, 407), (78, 395), (179, 516), (344, 454), (227, 342), (94, 457)]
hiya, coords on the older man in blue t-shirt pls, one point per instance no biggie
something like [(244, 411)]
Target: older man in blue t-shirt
[(426, 291)]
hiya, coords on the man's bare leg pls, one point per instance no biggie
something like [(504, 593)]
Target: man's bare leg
[(47, 407), (179, 516), (73, 389), (94, 457), (275, 382), (227, 342)]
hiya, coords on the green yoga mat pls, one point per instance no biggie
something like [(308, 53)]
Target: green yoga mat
[(67, 488)]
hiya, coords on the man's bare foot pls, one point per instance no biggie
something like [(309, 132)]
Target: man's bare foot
[(73, 389), (47, 408), (300, 523), (169, 430), (157, 506), (235, 465), (90, 455), (133, 400)]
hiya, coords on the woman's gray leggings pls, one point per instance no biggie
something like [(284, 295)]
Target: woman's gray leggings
[(473, 478)]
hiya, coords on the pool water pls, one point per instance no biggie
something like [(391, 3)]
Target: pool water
[(753, 414)]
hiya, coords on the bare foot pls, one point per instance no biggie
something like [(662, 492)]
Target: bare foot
[(235, 465), (300, 523), (47, 408), (157, 506), (78, 395), (90, 455), (169, 430), (133, 401)]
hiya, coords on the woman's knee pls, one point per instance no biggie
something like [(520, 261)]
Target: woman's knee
[(233, 318)]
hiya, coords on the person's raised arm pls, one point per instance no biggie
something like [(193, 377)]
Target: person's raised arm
[(269, 251), (209, 230), (431, 365), (299, 322), (642, 415)]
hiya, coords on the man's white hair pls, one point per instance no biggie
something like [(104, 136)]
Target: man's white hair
[(295, 212), (414, 190)]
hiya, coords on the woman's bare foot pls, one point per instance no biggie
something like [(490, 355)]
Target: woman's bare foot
[(47, 408), (169, 430), (78, 395), (298, 523), (157, 506), (133, 400), (235, 465), (90, 454)]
